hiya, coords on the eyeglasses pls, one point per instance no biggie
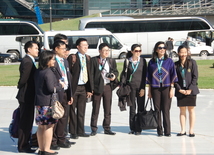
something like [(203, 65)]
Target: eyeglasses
[(137, 51), (64, 49), (160, 48)]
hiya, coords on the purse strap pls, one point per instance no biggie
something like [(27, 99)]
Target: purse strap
[(151, 104)]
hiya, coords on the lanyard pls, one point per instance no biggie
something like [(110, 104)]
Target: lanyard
[(101, 67), (159, 68), (134, 70), (183, 70), (61, 65)]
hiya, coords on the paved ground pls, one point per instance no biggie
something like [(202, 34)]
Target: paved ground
[(123, 143)]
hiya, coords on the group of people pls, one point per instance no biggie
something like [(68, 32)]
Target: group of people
[(78, 77)]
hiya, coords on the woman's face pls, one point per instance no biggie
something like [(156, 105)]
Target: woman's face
[(51, 62), (136, 52), (183, 53), (161, 50)]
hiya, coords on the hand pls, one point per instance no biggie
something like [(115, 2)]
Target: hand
[(89, 94), (188, 92), (113, 78), (71, 101), (182, 91), (62, 83), (149, 94), (142, 92)]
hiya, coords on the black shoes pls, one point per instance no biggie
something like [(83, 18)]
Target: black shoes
[(93, 133), (55, 147), (84, 135), (181, 134), (137, 133), (64, 145), (46, 153), (167, 135), (109, 132), (71, 143), (28, 150), (160, 135), (191, 135), (131, 132), (74, 136)]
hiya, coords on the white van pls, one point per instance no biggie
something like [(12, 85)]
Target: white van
[(94, 37)]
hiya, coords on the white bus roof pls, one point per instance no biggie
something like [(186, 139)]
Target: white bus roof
[(80, 32)]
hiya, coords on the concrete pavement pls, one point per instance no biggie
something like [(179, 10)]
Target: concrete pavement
[(123, 143)]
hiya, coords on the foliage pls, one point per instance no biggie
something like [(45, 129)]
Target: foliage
[(71, 24)]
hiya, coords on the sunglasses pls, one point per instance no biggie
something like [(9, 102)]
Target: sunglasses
[(160, 48), (137, 50)]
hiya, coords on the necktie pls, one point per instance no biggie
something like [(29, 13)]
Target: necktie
[(62, 67), (84, 70)]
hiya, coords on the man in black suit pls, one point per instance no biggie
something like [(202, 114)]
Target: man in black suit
[(104, 73), (26, 95), (65, 97), (79, 65)]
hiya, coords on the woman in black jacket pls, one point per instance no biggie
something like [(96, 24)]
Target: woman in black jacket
[(45, 82), (136, 79), (186, 89)]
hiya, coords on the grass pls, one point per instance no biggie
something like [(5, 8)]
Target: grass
[(71, 24), (10, 74)]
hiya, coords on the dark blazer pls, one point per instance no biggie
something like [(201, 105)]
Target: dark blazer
[(97, 79), (75, 68), (58, 74), (26, 84), (140, 80), (191, 78), (45, 81)]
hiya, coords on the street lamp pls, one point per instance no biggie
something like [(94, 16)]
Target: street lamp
[(50, 16)]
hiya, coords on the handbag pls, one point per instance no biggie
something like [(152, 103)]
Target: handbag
[(148, 119), (57, 108)]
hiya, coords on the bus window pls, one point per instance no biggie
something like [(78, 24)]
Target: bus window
[(27, 29)]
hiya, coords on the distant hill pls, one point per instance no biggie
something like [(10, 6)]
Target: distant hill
[(71, 24)]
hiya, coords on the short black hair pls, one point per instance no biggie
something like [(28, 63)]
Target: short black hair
[(80, 40), (44, 58), (58, 43), (60, 36), (102, 45), (29, 44)]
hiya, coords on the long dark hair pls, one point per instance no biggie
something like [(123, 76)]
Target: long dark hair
[(44, 58), (187, 62), (129, 54), (155, 54)]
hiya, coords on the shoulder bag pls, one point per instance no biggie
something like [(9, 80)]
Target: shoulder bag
[(57, 108)]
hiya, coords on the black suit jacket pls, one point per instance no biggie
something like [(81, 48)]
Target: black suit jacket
[(58, 74), (97, 79), (75, 68), (26, 84), (45, 81), (191, 78)]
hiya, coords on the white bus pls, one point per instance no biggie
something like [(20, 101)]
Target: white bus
[(94, 37), (148, 31), (12, 31)]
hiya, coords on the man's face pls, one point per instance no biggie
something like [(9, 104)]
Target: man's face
[(104, 53), (83, 47), (33, 51), (61, 51)]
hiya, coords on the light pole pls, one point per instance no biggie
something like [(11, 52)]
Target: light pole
[(50, 15)]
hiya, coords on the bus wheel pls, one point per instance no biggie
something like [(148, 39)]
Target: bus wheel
[(122, 55), (204, 53), (7, 60), (15, 53)]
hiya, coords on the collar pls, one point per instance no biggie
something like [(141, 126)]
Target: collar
[(59, 58), (130, 59), (80, 54), (33, 59)]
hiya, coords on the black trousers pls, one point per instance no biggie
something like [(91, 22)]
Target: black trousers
[(107, 102), (59, 135), (137, 103), (25, 124), (77, 111), (162, 103)]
